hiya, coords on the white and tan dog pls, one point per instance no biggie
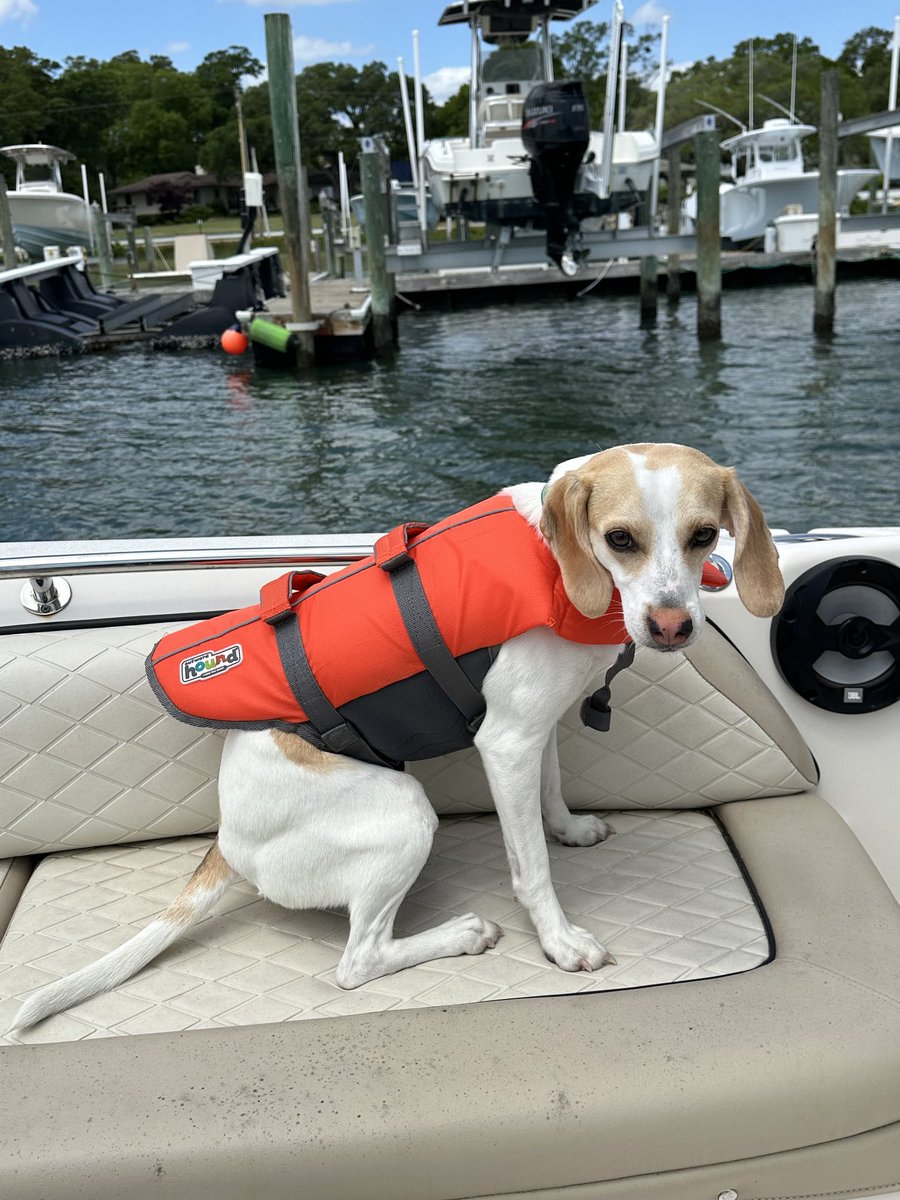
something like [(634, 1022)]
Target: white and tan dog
[(316, 830)]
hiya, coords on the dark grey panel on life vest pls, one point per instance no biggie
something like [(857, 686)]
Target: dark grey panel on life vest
[(413, 718)]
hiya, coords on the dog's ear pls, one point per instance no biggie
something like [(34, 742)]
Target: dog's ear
[(565, 525), (756, 571)]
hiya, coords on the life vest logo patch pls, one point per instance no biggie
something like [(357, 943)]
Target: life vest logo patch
[(210, 663)]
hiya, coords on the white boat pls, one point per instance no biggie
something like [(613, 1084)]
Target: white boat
[(769, 179), (747, 1043), (490, 175), (42, 213)]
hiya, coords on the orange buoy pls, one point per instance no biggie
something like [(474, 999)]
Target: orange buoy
[(233, 341)]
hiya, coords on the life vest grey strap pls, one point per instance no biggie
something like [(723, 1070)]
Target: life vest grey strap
[(330, 728), (427, 639), (595, 710)]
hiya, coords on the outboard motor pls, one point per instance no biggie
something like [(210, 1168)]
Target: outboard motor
[(556, 135)]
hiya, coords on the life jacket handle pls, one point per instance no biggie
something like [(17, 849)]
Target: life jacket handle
[(392, 549), (277, 598)]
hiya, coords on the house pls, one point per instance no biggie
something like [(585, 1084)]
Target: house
[(146, 198)]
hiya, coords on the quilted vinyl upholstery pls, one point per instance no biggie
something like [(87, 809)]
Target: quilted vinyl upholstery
[(89, 758), (664, 894)]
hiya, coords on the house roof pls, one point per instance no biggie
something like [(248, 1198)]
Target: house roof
[(179, 178), (185, 179)]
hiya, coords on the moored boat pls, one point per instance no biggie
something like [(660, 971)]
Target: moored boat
[(769, 179), (42, 213), (508, 170)]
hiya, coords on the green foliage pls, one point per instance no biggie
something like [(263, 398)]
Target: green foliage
[(25, 88), (199, 212), (131, 117)]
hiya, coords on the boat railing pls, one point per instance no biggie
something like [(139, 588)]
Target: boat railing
[(47, 569)]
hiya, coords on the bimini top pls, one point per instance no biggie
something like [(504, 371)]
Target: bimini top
[(35, 154), (511, 21), (776, 132)]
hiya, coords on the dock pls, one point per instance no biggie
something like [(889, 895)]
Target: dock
[(740, 268)]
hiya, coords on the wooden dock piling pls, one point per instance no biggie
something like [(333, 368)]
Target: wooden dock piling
[(649, 289), (826, 241), (709, 253), (288, 165), (102, 246), (673, 221), (381, 281)]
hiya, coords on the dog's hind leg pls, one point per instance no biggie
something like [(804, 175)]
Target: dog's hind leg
[(315, 830), (397, 849)]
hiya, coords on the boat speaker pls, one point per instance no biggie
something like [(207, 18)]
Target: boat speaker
[(836, 640)]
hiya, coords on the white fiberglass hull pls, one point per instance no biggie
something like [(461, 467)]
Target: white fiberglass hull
[(43, 219), (746, 209), (498, 175)]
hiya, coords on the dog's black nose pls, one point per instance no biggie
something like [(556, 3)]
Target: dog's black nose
[(670, 626)]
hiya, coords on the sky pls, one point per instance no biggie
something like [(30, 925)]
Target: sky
[(359, 31)]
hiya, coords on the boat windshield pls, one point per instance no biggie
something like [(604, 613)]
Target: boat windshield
[(523, 62), (777, 152)]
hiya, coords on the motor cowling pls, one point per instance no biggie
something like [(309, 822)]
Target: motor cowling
[(556, 134)]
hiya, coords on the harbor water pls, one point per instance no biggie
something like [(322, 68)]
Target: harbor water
[(144, 444)]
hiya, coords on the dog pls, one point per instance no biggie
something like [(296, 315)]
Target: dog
[(313, 829)]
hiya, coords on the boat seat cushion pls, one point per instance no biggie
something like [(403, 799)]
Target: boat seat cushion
[(88, 757), (666, 895), (780, 1080)]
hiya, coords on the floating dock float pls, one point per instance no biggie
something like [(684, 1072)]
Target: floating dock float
[(53, 308)]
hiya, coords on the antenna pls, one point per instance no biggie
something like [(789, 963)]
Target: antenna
[(722, 113), (791, 114), (780, 107), (750, 85)]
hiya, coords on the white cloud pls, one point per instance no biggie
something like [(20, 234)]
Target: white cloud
[(649, 13), (177, 47), (315, 49), (446, 82), (17, 10)]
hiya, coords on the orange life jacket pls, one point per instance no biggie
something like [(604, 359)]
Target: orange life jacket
[(341, 645)]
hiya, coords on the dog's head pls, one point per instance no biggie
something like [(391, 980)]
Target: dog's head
[(642, 519)]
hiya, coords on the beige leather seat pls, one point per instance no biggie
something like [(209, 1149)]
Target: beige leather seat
[(772, 1069)]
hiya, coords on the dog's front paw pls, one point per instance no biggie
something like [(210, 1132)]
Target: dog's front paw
[(583, 829), (577, 950)]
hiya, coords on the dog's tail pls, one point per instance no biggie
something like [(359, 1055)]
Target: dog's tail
[(201, 892)]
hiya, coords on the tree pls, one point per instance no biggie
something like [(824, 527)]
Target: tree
[(171, 196), (582, 52), (26, 84)]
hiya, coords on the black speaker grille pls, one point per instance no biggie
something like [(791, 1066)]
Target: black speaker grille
[(836, 640)]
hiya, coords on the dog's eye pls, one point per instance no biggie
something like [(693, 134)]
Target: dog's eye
[(704, 536), (620, 539)]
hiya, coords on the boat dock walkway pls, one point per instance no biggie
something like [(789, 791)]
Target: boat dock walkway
[(739, 267)]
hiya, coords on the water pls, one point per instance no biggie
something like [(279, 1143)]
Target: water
[(142, 444)]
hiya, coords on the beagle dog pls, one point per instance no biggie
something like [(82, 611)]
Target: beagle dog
[(312, 829)]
